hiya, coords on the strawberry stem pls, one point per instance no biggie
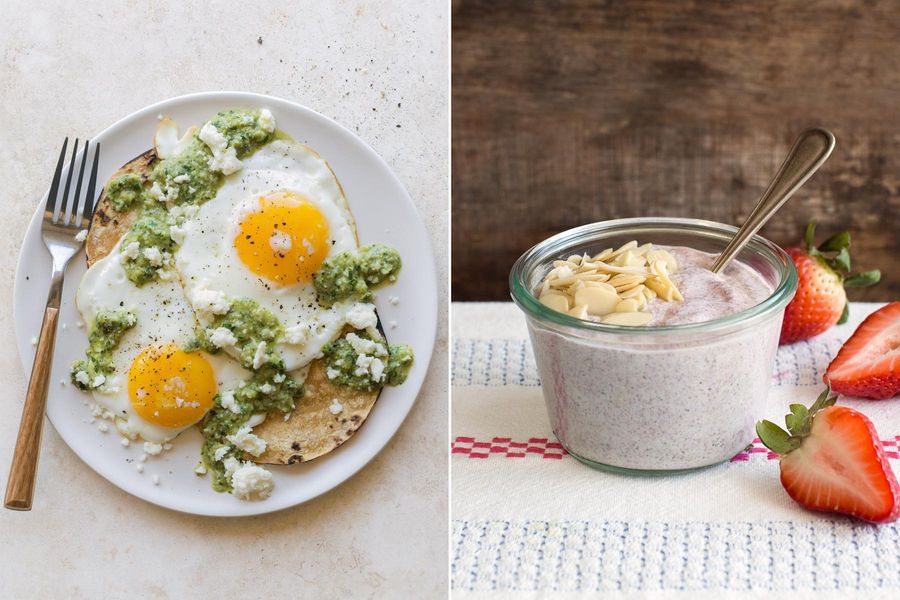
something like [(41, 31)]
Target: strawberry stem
[(799, 424), (809, 238)]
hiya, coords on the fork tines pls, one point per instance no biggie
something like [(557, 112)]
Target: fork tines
[(72, 218)]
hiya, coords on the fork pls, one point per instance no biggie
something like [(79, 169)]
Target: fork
[(60, 229)]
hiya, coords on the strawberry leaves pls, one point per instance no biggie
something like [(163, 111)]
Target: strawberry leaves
[(835, 252), (864, 279), (799, 424)]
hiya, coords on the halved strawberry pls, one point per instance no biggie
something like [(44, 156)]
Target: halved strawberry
[(832, 461), (868, 365), (823, 273)]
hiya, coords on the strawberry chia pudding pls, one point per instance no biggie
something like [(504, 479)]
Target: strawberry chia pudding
[(649, 361)]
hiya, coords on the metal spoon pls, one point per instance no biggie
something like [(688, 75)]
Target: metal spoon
[(809, 152)]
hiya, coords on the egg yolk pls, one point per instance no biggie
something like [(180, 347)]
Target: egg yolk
[(285, 241), (170, 387)]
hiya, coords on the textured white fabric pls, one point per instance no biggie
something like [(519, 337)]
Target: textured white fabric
[(526, 517)]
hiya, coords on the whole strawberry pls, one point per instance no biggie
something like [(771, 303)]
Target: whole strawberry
[(831, 460), (824, 272)]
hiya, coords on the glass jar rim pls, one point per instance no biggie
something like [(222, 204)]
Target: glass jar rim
[(556, 245)]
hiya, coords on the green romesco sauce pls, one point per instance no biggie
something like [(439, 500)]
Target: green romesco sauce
[(186, 177), (270, 389), (243, 130), (183, 179), (125, 191), (106, 332), (251, 324), (347, 275), (150, 230), (349, 361)]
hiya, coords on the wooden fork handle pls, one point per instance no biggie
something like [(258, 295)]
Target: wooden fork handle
[(20, 487)]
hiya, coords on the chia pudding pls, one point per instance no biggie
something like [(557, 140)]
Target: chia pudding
[(685, 389)]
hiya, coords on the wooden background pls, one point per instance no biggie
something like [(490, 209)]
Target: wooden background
[(566, 113)]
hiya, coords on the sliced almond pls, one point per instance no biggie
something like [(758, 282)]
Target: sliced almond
[(555, 301), (603, 255), (621, 249), (630, 305), (663, 255), (643, 249), (634, 319), (599, 301), (579, 312), (603, 267), (635, 292)]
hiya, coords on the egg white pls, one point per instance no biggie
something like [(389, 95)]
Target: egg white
[(208, 260), (163, 316)]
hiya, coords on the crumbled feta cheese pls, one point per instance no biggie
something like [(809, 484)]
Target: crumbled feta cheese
[(266, 388), (266, 119), (229, 402), (200, 469), (209, 302), (155, 479), (166, 274), (362, 315), (81, 235), (156, 192), (247, 441), (220, 337), (125, 442), (181, 178), (280, 242), (139, 468), (279, 377), (296, 334), (62, 382), (231, 465), (34, 342), (251, 481), (153, 256), (152, 449), (259, 358), (332, 373), (394, 300), (102, 426), (359, 344), (131, 251), (377, 369), (256, 419), (335, 407), (178, 234), (310, 249), (220, 453), (224, 158), (98, 381), (144, 457), (392, 324), (369, 365)]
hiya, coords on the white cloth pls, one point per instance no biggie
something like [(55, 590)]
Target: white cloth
[(526, 517)]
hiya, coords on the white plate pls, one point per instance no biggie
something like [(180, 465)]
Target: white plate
[(384, 213)]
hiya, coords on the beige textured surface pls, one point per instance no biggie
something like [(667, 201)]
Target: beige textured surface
[(74, 71)]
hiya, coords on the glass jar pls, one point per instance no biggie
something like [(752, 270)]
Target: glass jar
[(654, 399)]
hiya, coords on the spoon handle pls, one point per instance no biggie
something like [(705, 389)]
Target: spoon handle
[(808, 153)]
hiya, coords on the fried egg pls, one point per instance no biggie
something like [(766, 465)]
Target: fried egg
[(266, 232), (158, 389)]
